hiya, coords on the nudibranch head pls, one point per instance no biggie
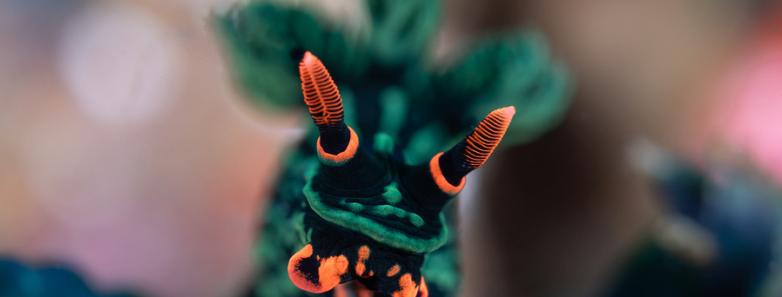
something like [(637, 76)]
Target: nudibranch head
[(372, 217)]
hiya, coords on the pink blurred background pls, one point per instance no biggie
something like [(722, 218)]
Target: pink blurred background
[(126, 151)]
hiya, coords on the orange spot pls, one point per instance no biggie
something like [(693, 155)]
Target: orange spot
[(363, 255), (440, 180), (407, 287), (320, 93), (393, 270), (487, 135), (330, 271), (424, 290), (344, 156)]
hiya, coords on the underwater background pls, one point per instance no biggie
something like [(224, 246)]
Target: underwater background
[(142, 142)]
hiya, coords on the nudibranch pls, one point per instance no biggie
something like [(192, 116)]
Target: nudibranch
[(371, 218)]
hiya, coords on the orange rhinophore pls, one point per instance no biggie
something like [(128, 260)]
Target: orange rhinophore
[(449, 169), (320, 93), (485, 138)]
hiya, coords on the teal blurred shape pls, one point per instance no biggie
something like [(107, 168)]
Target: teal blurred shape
[(402, 30), (514, 69), (265, 41), (21, 280)]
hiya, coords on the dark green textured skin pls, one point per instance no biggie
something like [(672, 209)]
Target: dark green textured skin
[(389, 86), (21, 280), (293, 224), (380, 196)]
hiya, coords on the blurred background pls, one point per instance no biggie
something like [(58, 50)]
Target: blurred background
[(126, 152)]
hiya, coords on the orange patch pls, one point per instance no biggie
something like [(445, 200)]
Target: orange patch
[(298, 278), (363, 255), (393, 270), (330, 271), (320, 92), (439, 178), (344, 156), (487, 135), (407, 287), (424, 290)]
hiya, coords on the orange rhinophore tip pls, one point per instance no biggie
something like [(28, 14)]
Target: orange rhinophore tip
[(485, 138), (320, 93)]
